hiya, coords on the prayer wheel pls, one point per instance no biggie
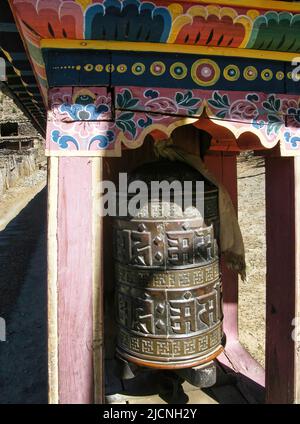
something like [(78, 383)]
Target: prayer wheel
[(168, 286)]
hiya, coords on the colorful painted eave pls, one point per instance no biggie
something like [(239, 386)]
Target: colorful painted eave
[(245, 47), (271, 26), (270, 29)]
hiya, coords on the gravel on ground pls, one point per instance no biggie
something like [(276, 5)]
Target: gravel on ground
[(252, 294)]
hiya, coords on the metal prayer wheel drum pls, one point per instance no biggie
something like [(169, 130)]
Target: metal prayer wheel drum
[(168, 287)]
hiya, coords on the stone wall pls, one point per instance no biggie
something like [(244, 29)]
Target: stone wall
[(14, 166), (9, 112)]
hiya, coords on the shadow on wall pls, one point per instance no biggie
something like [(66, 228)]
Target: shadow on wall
[(23, 297)]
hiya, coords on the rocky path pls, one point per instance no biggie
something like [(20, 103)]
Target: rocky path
[(251, 186), (17, 197)]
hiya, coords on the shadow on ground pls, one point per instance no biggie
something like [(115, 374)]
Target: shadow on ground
[(23, 357)]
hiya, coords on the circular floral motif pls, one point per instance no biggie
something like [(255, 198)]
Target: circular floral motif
[(99, 68), (178, 70), (280, 75), (232, 73), (267, 74), (138, 68), (122, 68), (205, 72), (250, 73), (157, 69), (290, 75), (84, 97), (89, 67), (288, 104), (110, 67)]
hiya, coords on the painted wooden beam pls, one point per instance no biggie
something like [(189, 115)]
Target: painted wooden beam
[(166, 48), (74, 281), (282, 216), (98, 282), (297, 280), (52, 281)]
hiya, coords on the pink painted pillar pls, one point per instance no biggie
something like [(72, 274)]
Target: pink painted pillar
[(75, 278), (74, 297)]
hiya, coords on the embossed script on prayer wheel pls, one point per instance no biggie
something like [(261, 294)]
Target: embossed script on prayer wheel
[(168, 288)]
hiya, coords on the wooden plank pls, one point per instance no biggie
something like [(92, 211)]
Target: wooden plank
[(17, 138), (52, 281), (97, 252), (297, 285), (75, 281), (131, 46), (280, 231)]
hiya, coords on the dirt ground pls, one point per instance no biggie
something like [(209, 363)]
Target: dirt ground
[(251, 187), (17, 197)]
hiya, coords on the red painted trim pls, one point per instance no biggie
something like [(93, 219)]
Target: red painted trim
[(280, 213)]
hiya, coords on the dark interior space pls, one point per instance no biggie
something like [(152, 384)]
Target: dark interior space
[(9, 129)]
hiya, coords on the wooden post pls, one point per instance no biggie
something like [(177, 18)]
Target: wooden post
[(53, 397), (297, 281), (283, 237), (98, 282), (74, 281), (223, 166)]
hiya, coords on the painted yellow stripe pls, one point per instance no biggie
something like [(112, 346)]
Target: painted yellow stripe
[(167, 48), (257, 4)]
